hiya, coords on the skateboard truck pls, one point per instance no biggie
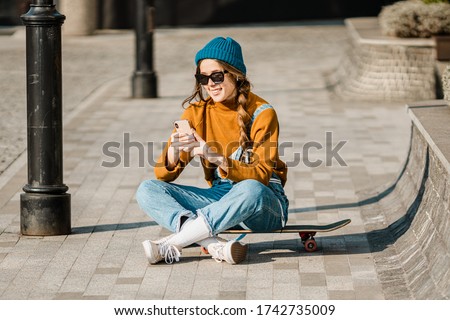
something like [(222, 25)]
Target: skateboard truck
[(308, 241)]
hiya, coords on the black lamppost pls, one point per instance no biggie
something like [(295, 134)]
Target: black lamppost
[(45, 205), (144, 82)]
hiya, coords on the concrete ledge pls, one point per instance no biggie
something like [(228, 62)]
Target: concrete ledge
[(432, 119), (366, 30)]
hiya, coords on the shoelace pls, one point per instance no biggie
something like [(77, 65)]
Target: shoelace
[(219, 256), (169, 252)]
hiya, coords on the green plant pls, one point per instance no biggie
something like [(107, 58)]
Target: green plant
[(415, 19)]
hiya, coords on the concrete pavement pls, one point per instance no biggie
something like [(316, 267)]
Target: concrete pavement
[(103, 257)]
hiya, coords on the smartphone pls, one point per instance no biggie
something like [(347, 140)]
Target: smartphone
[(183, 126)]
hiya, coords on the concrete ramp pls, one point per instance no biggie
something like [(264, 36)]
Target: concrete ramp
[(409, 227)]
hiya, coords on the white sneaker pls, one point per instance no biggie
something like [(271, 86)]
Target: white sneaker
[(157, 251), (206, 242), (232, 252)]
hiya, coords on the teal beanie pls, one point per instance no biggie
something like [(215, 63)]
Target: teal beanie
[(226, 50)]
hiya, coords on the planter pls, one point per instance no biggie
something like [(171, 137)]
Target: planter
[(442, 47)]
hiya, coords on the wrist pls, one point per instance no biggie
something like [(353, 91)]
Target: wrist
[(174, 150), (172, 158), (223, 164)]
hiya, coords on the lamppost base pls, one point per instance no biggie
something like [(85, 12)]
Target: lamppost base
[(45, 214), (144, 85)]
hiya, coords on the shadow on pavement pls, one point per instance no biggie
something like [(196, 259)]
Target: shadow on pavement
[(112, 227)]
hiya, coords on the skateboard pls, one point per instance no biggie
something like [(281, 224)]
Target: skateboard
[(306, 232)]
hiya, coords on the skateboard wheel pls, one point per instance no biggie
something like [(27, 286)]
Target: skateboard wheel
[(310, 245), (204, 250)]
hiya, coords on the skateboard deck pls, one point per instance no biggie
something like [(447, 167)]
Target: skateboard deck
[(306, 232)]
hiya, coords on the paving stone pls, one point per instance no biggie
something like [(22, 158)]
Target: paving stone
[(313, 293), (286, 291), (100, 284), (69, 296), (339, 283), (124, 292), (208, 289), (313, 279), (342, 295)]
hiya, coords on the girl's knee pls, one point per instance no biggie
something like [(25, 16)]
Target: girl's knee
[(146, 189), (251, 186)]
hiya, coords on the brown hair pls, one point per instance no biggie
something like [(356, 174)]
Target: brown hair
[(243, 87)]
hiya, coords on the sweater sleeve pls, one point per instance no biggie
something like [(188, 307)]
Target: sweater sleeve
[(160, 169), (264, 134)]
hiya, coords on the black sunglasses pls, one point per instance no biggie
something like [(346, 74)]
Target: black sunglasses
[(216, 77)]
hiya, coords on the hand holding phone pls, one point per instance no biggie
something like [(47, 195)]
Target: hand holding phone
[(183, 126), (183, 139)]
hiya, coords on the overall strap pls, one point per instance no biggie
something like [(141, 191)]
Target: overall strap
[(238, 153), (257, 112)]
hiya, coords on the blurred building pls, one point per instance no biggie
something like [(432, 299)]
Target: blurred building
[(119, 14)]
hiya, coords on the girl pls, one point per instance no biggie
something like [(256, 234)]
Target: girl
[(235, 135)]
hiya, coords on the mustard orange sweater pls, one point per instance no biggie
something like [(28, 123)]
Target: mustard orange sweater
[(217, 125)]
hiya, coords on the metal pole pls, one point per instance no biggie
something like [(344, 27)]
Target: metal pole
[(144, 81), (45, 205)]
